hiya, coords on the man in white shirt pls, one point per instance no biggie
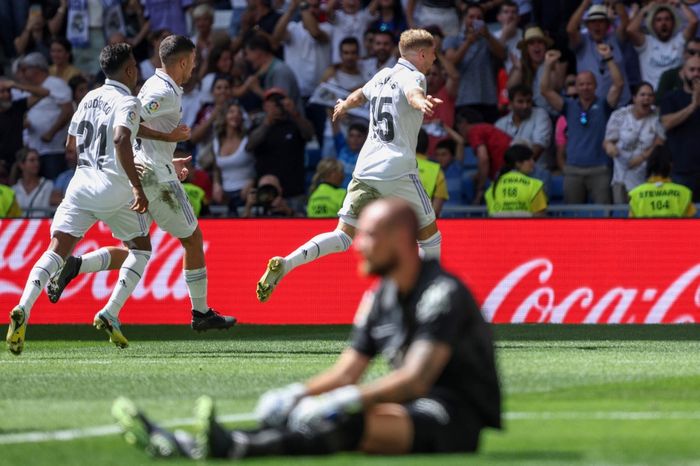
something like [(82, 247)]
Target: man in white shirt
[(161, 113), (661, 48), (102, 130), (382, 54), (525, 123), (48, 119), (387, 163)]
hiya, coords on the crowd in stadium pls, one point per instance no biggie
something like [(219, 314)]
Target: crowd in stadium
[(593, 89)]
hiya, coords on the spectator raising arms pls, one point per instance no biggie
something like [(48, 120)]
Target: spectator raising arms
[(630, 137), (586, 173)]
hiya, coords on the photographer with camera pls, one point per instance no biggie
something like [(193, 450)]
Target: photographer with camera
[(278, 144), (266, 200)]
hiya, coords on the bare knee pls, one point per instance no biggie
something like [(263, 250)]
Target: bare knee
[(346, 228), (194, 240), (388, 430)]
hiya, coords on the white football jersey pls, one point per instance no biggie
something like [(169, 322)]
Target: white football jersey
[(161, 110), (390, 149), (100, 183)]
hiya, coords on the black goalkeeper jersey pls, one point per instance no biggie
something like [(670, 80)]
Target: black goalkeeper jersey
[(441, 309)]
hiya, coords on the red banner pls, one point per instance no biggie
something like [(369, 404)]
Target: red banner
[(525, 270)]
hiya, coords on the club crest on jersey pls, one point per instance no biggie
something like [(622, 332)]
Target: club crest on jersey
[(152, 106)]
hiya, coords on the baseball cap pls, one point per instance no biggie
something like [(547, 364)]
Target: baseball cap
[(34, 59), (274, 91)]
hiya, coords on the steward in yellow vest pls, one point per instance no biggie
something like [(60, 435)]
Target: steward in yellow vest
[(326, 197), (513, 193), (8, 203), (659, 197), (196, 195)]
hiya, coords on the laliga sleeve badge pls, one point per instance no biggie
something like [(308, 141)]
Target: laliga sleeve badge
[(152, 106)]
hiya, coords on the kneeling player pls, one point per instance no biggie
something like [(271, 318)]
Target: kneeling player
[(442, 391)]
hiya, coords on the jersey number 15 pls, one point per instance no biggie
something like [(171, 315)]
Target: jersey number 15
[(383, 121)]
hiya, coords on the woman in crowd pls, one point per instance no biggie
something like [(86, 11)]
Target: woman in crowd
[(219, 62), (630, 137), (210, 111), (62, 59), (390, 17), (231, 167), (32, 191), (513, 193)]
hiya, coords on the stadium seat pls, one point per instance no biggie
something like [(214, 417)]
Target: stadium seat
[(556, 189), (470, 162)]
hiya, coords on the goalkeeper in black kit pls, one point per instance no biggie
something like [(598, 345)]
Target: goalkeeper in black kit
[(441, 392)]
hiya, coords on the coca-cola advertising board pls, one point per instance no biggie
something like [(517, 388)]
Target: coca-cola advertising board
[(522, 271)]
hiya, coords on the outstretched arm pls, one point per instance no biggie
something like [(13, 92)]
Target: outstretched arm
[(425, 103), (546, 86), (574, 25), (355, 99)]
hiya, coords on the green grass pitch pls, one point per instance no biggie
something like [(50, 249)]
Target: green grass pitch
[(573, 395)]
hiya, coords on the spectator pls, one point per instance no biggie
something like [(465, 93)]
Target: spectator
[(661, 47), (231, 165), (79, 88), (266, 200), (446, 153), (12, 117), (382, 56), (259, 18), (36, 36), (475, 53), (219, 63), (136, 28), (348, 149), (587, 171), (584, 44), (167, 14), (350, 21), (283, 126), (489, 145), (509, 33), (203, 38), (671, 79), (32, 191), (347, 73), (514, 193), (8, 203), (211, 111), (431, 175), (681, 120), (273, 72), (327, 195), (442, 82), (630, 137), (526, 123), (390, 18), (62, 59), (148, 66), (427, 13), (47, 121), (659, 197), (60, 184), (13, 18), (529, 67), (307, 52), (560, 130)]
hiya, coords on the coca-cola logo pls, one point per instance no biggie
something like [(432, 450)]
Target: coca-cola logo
[(23, 242), (616, 305)]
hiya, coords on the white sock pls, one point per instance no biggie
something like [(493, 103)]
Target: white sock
[(95, 261), (430, 248), (130, 274), (48, 264), (196, 280), (319, 246)]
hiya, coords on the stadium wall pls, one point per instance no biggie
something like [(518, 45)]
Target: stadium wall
[(544, 270)]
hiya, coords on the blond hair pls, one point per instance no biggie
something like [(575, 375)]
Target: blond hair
[(326, 167), (415, 39)]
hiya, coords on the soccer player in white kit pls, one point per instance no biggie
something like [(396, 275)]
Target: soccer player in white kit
[(387, 163), (102, 130), (161, 113)]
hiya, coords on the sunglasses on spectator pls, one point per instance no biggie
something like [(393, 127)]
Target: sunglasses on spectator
[(583, 118)]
